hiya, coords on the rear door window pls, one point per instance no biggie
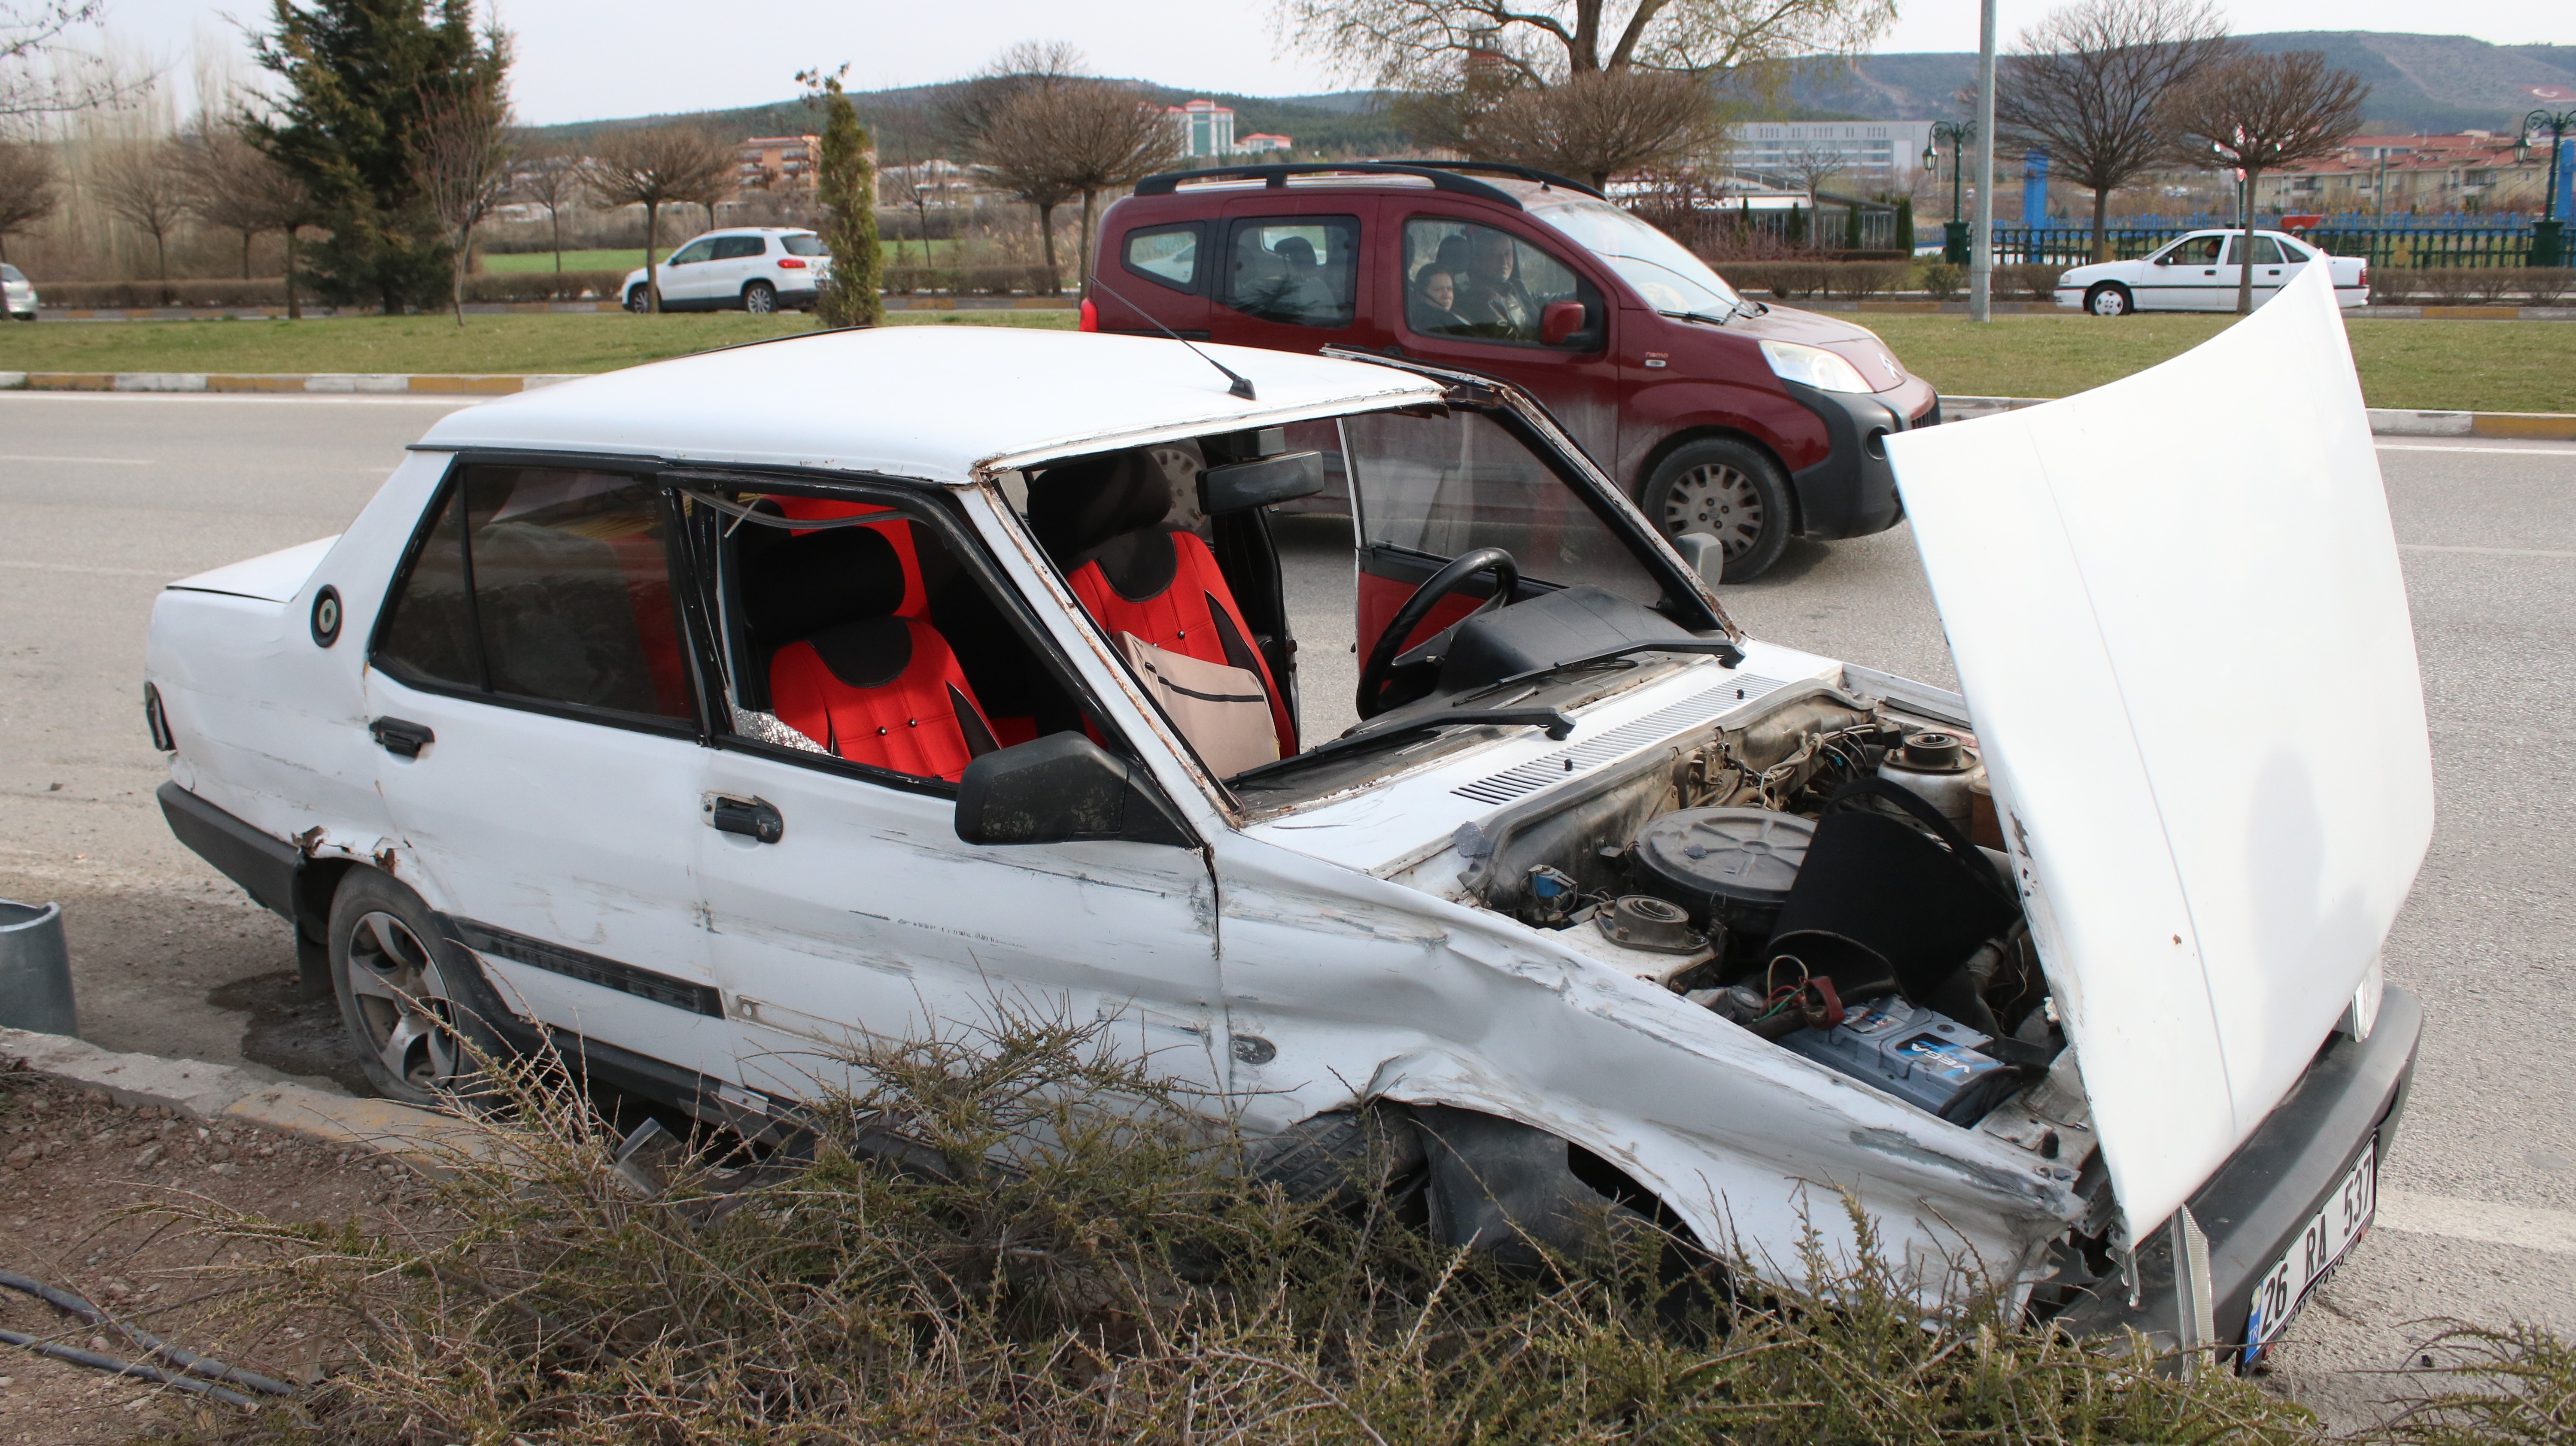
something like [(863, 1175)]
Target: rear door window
[(543, 584), (1166, 255), (1296, 270), (737, 248)]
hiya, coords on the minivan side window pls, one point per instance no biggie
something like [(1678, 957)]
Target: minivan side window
[(1166, 256), (1484, 284), (547, 584), (1300, 270)]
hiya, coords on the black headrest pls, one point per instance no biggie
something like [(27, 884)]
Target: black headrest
[(803, 585), (1076, 506)]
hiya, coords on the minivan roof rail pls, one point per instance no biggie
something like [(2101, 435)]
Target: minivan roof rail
[(1443, 176)]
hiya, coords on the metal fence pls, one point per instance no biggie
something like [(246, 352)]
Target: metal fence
[(2395, 247)]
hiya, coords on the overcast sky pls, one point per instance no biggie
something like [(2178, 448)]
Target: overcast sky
[(584, 60)]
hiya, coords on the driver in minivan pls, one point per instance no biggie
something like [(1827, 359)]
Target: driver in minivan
[(1492, 298)]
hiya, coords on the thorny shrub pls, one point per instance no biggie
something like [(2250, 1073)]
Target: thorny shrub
[(1023, 1237)]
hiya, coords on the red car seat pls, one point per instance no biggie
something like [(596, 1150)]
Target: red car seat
[(895, 529), (1101, 520), (847, 670)]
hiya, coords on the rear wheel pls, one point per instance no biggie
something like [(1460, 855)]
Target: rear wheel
[(1729, 491), (416, 1033), (2109, 299), (760, 298)]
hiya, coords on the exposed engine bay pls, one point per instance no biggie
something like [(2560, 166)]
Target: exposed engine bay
[(1829, 877)]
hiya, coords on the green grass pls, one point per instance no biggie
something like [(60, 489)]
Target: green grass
[(2479, 366), (898, 252), (541, 343)]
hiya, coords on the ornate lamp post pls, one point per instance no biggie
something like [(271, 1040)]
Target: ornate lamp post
[(1954, 234), (2545, 250)]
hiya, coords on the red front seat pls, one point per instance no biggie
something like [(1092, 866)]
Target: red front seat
[(896, 528), (1101, 520), (846, 670)]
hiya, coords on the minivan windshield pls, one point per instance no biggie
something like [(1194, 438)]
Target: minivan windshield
[(1663, 271)]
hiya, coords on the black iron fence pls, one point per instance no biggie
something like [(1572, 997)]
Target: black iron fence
[(2396, 248)]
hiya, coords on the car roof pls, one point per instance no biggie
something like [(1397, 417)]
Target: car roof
[(942, 403)]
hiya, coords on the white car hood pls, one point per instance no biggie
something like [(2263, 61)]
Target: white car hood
[(271, 577), (2178, 618)]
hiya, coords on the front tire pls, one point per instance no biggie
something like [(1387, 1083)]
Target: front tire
[(400, 984), (639, 299), (760, 298), (2110, 298), (1726, 490)]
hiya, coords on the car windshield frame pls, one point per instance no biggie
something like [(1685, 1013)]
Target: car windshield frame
[(1648, 260)]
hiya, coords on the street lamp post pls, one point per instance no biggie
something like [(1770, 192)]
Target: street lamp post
[(2545, 250), (1954, 233)]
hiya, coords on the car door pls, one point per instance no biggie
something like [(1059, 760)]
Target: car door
[(1501, 283), (1165, 271), (2272, 266), (1291, 282), (541, 760), (684, 279), (842, 909), (734, 262), (2183, 277)]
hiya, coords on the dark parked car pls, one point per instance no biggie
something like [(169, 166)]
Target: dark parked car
[(1717, 414)]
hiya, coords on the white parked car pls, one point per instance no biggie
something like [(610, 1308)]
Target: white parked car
[(747, 268), (709, 716), (2200, 272), (18, 291)]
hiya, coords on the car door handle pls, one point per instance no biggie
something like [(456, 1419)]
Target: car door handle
[(401, 738), (754, 818)]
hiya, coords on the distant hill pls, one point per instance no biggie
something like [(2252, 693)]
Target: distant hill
[(2429, 83)]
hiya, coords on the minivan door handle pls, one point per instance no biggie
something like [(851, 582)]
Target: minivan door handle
[(401, 738), (756, 819)]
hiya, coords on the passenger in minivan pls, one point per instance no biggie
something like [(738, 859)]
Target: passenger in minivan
[(1492, 299), (1432, 306)]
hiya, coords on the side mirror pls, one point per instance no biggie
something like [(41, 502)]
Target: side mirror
[(1705, 554), (1062, 788), (1560, 320), (1237, 486)]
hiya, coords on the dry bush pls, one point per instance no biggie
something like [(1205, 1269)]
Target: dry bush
[(2519, 1387), (186, 291), (1861, 280), (1944, 279), (544, 285), (1022, 1238), (968, 280), (2027, 281), (2547, 285)]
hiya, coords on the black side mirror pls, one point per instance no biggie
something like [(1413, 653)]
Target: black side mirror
[(1239, 486), (1062, 788)]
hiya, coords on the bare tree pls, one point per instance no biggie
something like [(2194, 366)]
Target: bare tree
[(1811, 163), (232, 184), (145, 184), (28, 192), (654, 167), (1594, 124), (552, 179), (2257, 113), (1103, 136), (1007, 135), (31, 83), (1424, 44), (460, 160), (2085, 85)]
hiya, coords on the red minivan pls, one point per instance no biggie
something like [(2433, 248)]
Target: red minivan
[(1720, 415)]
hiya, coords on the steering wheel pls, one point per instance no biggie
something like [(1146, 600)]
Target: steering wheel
[(1381, 658)]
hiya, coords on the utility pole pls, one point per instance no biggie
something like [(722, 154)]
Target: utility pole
[(1981, 246)]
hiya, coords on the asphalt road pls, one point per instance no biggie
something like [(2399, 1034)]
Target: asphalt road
[(103, 498)]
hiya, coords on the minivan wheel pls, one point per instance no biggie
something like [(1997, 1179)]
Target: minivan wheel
[(2109, 298), (760, 298), (639, 300), (1729, 491), (416, 1034)]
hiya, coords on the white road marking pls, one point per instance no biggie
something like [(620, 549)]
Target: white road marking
[(2485, 551), (2506, 451), (102, 461), (79, 568), (2519, 1226)]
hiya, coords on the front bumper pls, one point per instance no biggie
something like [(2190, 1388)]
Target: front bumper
[(2260, 1200), (1852, 493)]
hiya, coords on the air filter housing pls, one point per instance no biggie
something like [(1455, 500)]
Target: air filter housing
[(1730, 867)]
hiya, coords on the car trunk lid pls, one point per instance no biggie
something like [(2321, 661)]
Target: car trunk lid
[(2208, 741)]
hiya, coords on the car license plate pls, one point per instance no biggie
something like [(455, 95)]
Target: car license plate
[(2314, 1254)]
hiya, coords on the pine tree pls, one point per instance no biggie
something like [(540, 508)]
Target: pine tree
[(358, 74), (1851, 228), (1905, 224), (846, 182), (1796, 234)]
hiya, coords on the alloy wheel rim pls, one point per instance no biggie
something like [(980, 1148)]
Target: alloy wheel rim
[(1719, 501), (402, 1000), (759, 300)]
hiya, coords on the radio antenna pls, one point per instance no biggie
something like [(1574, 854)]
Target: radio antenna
[(1242, 384)]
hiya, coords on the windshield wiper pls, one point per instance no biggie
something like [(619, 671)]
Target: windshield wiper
[(1724, 651), (1552, 719)]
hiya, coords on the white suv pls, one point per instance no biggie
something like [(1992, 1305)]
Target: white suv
[(21, 292), (748, 268)]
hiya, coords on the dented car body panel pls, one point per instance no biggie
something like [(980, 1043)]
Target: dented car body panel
[(721, 888)]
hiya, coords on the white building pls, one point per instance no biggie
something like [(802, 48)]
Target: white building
[(1875, 154), (1206, 130)]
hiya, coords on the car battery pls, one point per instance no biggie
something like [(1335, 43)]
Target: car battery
[(1922, 1058)]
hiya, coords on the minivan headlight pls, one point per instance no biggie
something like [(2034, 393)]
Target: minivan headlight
[(1813, 366)]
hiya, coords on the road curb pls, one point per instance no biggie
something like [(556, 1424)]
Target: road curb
[(2384, 421), (219, 1094)]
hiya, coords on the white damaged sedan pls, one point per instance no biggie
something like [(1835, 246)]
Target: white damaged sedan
[(706, 717)]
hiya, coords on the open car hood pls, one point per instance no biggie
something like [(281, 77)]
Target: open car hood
[(2179, 622)]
